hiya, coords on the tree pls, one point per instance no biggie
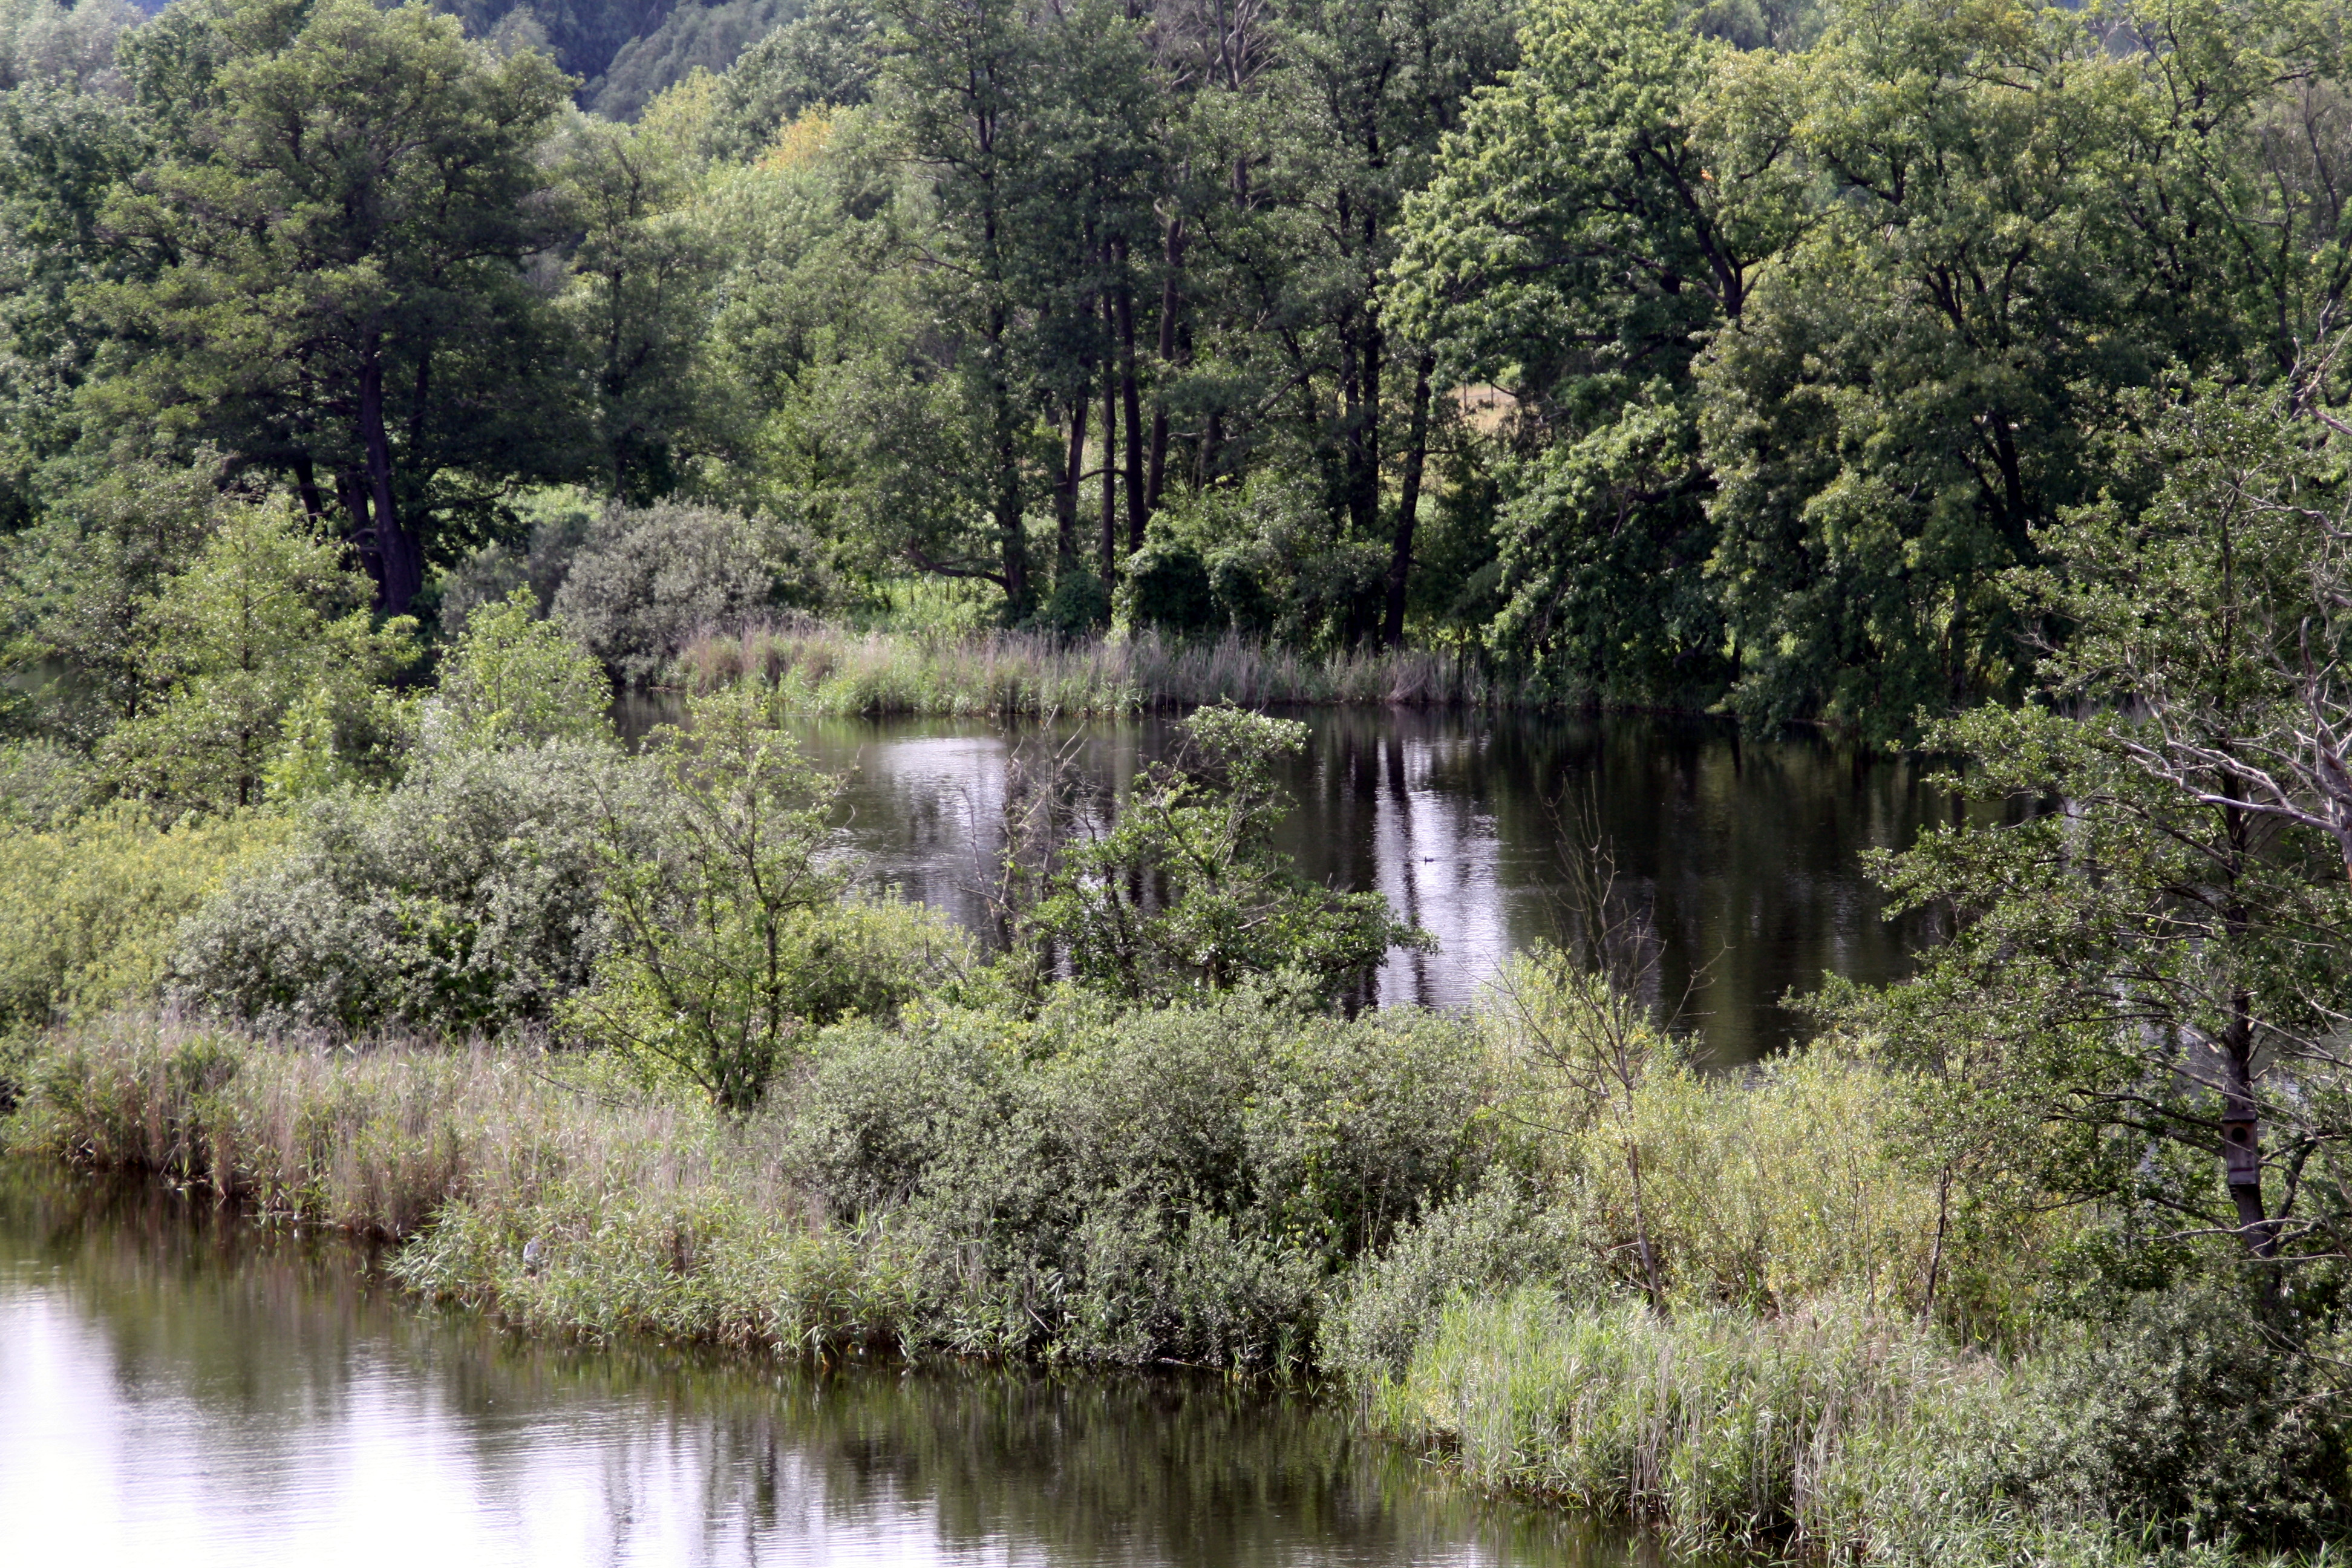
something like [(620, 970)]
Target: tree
[(2154, 952), (2019, 215), (735, 934), (1602, 213), (333, 236), (1186, 891), (641, 275), (516, 680), (266, 627)]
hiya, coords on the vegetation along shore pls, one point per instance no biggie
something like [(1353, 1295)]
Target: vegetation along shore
[(386, 388)]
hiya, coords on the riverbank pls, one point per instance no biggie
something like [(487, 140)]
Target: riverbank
[(1227, 1187), (837, 672)]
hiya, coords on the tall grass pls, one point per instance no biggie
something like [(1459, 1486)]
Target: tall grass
[(834, 671), (1833, 1433), (571, 1205)]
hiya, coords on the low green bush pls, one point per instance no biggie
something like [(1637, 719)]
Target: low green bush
[(467, 897), (90, 909), (1491, 1241), (1180, 1185), (2194, 1413)]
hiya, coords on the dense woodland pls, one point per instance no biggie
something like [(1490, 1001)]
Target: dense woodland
[(1656, 356), (381, 387)]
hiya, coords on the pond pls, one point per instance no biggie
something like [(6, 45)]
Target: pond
[(176, 1387), (1743, 857)]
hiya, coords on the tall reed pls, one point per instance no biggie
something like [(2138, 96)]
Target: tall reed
[(572, 1206), (834, 671)]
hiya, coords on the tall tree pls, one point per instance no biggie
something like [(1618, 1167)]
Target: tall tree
[(336, 228)]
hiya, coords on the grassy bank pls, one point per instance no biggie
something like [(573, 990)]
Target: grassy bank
[(834, 671), (1224, 1187), (648, 1214)]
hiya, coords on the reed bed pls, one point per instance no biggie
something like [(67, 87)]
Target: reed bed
[(1831, 1434), (837, 672), (558, 1200)]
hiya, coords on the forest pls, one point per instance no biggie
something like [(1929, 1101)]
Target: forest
[(383, 389)]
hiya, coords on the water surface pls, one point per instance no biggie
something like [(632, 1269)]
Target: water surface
[(177, 1388), (1743, 857)]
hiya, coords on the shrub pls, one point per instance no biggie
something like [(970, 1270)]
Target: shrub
[(732, 932), (2191, 1412), (42, 786), (648, 579), (1732, 1429), (266, 627), (468, 897), (1177, 1184), (1186, 892), (514, 680), (1486, 1244), (1165, 585), (88, 910)]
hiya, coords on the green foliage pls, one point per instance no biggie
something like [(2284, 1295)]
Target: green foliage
[(89, 907), (1492, 1241), (826, 57), (2170, 1416), (1130, 1187), (732, 933), (2169, 927), (644, 580), (42, 785), (332, 228), (1222, 903), (262, 631), (467, 897), (1166, 586), (692, 40), (514, 680)]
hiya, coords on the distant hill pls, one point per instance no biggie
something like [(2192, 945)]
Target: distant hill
[(709, 37)]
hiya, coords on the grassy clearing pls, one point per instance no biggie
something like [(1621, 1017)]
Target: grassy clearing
[(842, 673)]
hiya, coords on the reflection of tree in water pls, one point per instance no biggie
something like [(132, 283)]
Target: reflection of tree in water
[(265, 1335)]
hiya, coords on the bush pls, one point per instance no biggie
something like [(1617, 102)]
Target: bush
[(469, 897), (2189, 1413), (89, 911), (1180, 1185), (1488, 1243), (42, 786), (1165, 585), (1732, 1429), (1186, 892), (732, 931), (514, 680), (649, 579)]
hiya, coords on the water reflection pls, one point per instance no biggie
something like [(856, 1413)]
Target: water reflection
[(1744, 855), (198, 1390)]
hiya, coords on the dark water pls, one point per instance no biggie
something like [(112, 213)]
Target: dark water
[(177, 1389), (1744, 856)]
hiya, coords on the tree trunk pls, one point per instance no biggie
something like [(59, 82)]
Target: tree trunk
[(1171, 302), (306, 485), (1416, 458), (1367, 443), (1130, 410), (400, 562), (1109, 444), (2242, 1134), (1065, 493)]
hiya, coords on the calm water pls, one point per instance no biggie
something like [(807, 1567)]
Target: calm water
[(1745, 856), (177, 1390)]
